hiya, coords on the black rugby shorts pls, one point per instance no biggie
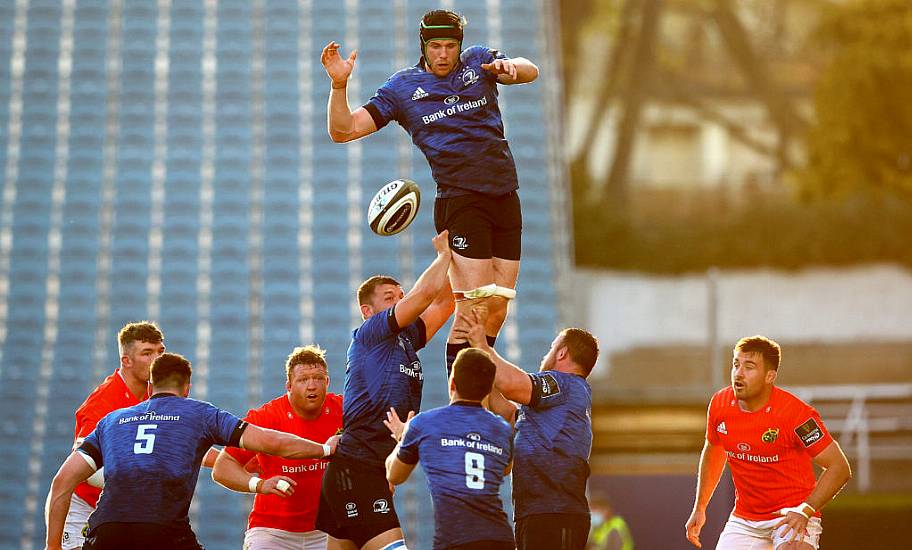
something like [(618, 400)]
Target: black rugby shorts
[(141, 536), (355, 501), (482, 226), (552, 532)]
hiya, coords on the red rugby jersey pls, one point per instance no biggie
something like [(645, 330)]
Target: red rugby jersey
[(769, 451), (110, 395), (298, 512)]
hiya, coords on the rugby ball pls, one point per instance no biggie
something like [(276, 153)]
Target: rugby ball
[(394, 207)]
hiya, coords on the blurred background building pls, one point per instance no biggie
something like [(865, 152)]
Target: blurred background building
[(692, 171)]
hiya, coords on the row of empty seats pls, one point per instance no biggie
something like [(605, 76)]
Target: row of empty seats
[(265, 254)]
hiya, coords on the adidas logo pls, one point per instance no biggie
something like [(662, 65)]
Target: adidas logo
[(419, 93), (721, 428)]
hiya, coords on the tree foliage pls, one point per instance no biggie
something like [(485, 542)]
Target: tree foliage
[(862, 138)]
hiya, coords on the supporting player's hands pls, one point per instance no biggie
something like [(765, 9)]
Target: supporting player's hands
[(338, 69), (501, 66), (442, 243), (694, 525), (794, 526), (272, 486), (470, 327), (395, 425)]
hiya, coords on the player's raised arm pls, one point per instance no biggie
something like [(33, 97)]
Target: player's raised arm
[(343, 124), (74, 471), (427, 288), (712, 464), (510, 380), (286, 445)]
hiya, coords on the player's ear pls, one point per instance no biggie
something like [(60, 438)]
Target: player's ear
[(771, 376), (366, 311), (186, 391)]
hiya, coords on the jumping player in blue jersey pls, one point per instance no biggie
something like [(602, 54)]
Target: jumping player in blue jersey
[(465, 451), (553, 437), (383, 372), (447, 103), (151, 454)]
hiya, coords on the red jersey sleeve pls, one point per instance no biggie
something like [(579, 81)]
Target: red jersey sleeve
[(712, 436), (810, 433)]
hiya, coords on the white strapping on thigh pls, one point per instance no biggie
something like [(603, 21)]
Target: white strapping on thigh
[(485, 291)]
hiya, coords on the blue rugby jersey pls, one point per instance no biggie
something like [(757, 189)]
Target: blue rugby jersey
[(152, 453), (382, 371), (455, 121), (464, 450), (553, 442)]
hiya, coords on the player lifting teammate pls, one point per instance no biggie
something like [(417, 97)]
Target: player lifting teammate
[(447, 102), (465, 452), (383, 372)]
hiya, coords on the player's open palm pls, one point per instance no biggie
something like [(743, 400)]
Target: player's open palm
[(338, 69), (693, 527), (282, 486)]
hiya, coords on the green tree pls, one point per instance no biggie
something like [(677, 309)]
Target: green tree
[(862, 137)]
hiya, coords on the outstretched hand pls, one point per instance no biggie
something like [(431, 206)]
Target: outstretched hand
[(338, 69), (470, 326), (501, 66), (395, 425), (441, 242)]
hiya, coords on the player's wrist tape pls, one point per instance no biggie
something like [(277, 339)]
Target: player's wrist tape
[(799, 510), (327, 450), (253, 483)]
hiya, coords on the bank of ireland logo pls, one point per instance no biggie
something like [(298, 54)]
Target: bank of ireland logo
[(381, 506), (473, 436), (744, 447), (451, 99), (770, 435)]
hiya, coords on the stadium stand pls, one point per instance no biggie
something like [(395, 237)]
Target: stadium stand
[(196, 185)]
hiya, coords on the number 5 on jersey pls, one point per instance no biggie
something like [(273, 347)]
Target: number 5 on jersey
[(474, 468), (144, 441)]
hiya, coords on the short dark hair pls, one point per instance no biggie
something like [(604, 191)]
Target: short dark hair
[(769, 349), (140, 331), (305, 355), (473, 373), (170, 370), (582, 346), (366, 290)]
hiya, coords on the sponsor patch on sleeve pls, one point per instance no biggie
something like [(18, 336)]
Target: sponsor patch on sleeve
[(549, 385), (809, 432)]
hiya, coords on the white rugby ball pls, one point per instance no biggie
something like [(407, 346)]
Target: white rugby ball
[(394, 207)]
